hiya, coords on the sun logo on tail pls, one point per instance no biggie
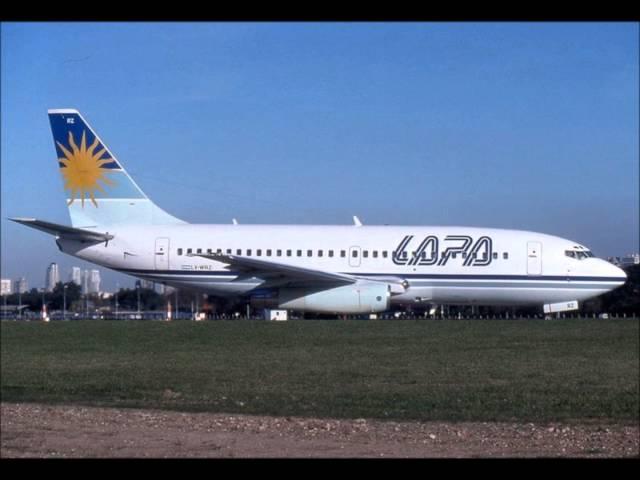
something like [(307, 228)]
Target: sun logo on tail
[(82, 169)]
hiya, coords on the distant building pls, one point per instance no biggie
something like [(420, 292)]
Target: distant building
[(76, 276), (52, 278), (631, 259), (148, 284), (5, 286), (90, 281), (21, 285), (94, 281), (85, 282)]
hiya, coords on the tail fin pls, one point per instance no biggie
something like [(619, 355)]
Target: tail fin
[(99, 190)]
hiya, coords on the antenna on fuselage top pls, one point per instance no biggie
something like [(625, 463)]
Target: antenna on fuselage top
[(356, 221)]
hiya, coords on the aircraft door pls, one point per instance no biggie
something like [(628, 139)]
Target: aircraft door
[(534, 258), (162, 253), (354, 256)]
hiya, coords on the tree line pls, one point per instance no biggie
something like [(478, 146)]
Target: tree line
[(623, 300), (75, 301)]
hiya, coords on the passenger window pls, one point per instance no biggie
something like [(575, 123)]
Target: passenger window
[(505, 255), (268, 252), (299, 253), (229, 251), (188, 250), (279, 253), (365, 253), (259, 252), (288, 253), (309, 253), (239, 251), (179, 251), (249, 252), (331, 253), (199, 250), (219, 251), (354, 253), (495, 255), (319, 253), (343, 253), (384, 254), (209, 250)]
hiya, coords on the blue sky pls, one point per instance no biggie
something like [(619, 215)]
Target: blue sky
[(514, 125)]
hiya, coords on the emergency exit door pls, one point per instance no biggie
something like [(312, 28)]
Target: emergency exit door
[(162, 253), (534, 258)]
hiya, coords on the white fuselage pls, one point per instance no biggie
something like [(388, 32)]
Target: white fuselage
[(443, 265)]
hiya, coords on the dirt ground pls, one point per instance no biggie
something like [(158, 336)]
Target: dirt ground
[(30, 430)]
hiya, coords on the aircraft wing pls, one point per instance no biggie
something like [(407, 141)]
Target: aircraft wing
[(62, 231), (274, 273), (277, 274)]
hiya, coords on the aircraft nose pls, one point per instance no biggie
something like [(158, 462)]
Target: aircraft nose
[(615, 273), (622, 274)]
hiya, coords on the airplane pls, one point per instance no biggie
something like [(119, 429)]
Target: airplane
[(343, 269)]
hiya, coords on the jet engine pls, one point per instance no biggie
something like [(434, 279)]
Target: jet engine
[(361, 297), (366, 297)]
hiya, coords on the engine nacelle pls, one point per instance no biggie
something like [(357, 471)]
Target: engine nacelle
[(362, 297)]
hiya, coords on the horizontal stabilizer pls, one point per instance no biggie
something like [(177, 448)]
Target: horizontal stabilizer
[(63, 231)]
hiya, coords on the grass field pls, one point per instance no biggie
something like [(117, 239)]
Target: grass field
[(452, 370)]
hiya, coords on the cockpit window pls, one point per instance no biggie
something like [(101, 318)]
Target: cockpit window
[(578, 254)]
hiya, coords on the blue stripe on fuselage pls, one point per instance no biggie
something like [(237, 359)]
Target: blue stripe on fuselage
[(416, 276)]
